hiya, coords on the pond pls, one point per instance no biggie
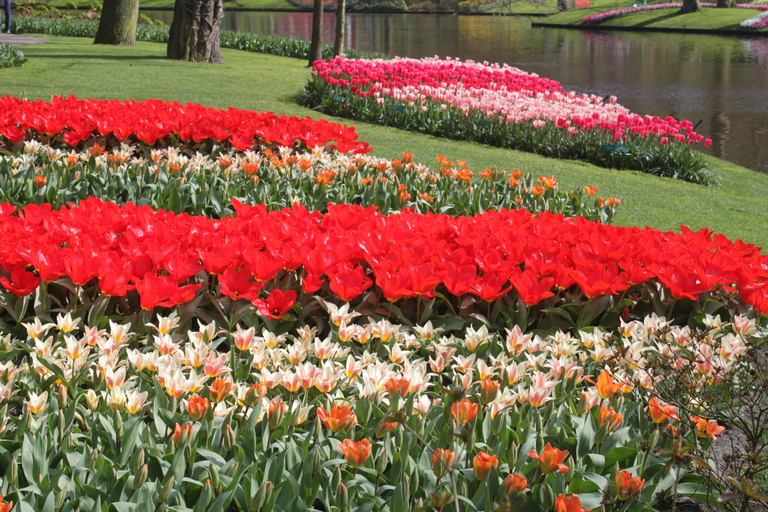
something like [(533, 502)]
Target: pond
[(717, 80)]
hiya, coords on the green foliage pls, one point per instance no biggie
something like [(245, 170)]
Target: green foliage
[(158, 33), (11, 57)]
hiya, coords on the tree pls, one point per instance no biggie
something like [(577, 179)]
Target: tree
[(194, 33), (726, 3), (338, 43), (316, 47), (690, 6), (118, 23)]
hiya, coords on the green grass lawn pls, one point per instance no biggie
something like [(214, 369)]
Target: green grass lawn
[(253, 81), (260, 5), (709, 18)]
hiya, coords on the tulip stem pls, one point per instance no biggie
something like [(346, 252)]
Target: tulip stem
[(451, 469)]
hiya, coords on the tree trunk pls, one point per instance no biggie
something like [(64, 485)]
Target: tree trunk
[(690, 6), (564, 5), (316, 48), (118, 23), (194, 34), (338, 43), (726, 3)]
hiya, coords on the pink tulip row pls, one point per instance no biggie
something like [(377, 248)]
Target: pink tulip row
[(501, 91), (602, 16)]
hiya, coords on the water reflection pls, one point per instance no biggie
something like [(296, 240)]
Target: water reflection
[(719, 80)]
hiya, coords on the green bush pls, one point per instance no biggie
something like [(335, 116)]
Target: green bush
[(275, 45), (11, 57)]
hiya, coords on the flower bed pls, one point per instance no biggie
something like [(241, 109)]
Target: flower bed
[(199, 184), (757, 22), (503, 106), (282, 359), (71, 122), (205, 418), (602, 16), (511, 258)]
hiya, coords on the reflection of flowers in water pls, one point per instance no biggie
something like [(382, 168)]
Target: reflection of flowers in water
[(756, 50), (759, 21)]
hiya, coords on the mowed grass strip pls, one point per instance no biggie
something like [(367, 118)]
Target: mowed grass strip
[(709, 18), (253, 81)]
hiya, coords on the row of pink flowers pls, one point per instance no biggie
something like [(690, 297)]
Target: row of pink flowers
[(351, 248), (759, 21), (494, 90), (602, 16), (73, 121)]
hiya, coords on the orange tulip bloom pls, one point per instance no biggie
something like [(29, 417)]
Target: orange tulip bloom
[(706, 428), (197, 407), (551, 459), (606, 388), (627, 486), (464, 411), (395, 385), (276, 413), (181, 433), (341, 418), (610, 417), (489, 389), (572, 504), (513, 485), (660, 412), (356, 452), (482, 464), (220, 390), (5, 507), (441, 461)]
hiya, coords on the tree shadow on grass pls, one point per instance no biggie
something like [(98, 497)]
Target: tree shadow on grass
[(660, 18), (86, 56)]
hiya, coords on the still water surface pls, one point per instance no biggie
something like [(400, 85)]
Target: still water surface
[(719, 80)]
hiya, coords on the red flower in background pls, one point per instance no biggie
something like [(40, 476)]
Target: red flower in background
[(277, 304), (22, 283), (347, 283)]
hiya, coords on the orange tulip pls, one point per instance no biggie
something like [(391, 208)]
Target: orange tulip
[(609, 417), (197, 407), (5, 507), (606, 388), (276, 413), (551, 459), (627, 486), (220, 390), (572, 504), (661, 412), (341, 418), (482, 464), (395, 385), (441, 461), (181, 434), (513, 485), (355, 452), (488, 390), (706, 428), (464, 411)]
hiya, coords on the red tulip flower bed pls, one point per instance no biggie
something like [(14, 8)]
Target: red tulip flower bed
[(352, 250), (160, 123)]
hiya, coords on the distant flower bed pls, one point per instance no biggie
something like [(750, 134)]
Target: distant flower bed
[(759, 21), (70, 122), (504, 106), (602, 16)]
